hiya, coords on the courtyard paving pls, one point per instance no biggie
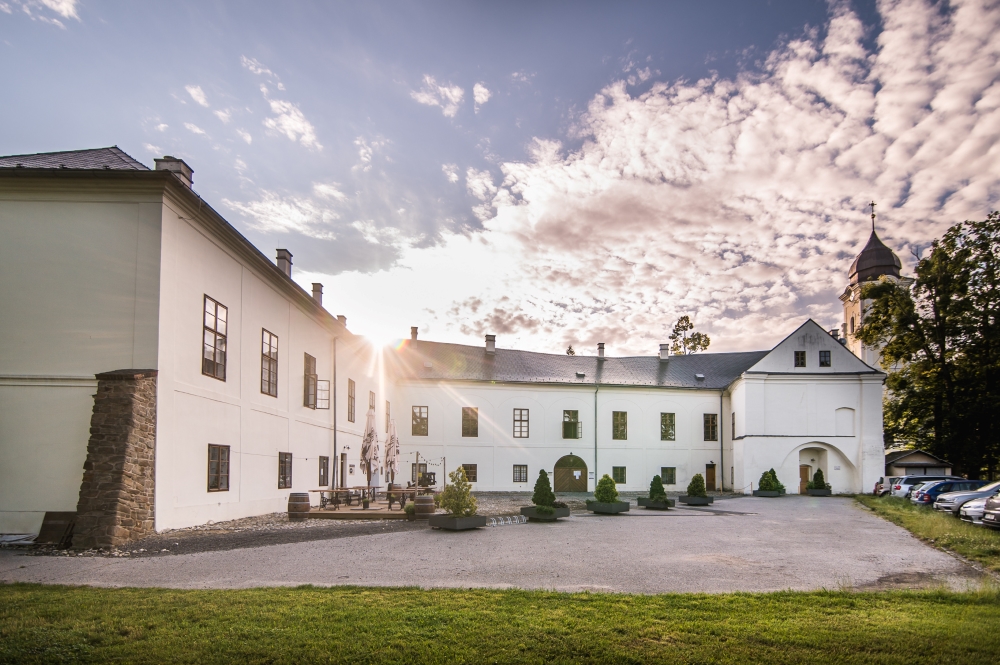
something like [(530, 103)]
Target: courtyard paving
[(738, 544)]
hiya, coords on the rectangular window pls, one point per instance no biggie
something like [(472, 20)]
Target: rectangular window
[(419, 421), (324, 471), (387, 415), (309, 382), (322, 394), (284, 471), (520, 423), (668, 427), (733, 421), (619, 425), (668, 475), (800, 358), (711, 427), (371, 399), (520, 473), (824, 358), (268, 363), (572, 427), (213, 358), (350, 400), (618, 474), (471, 474), (218, 468), (470, 421), (416, 471)]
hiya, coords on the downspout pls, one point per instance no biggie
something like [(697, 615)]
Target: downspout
[(336, 458), (597, 387), (722, 446)]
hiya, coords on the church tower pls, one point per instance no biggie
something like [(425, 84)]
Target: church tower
[(875, 260)]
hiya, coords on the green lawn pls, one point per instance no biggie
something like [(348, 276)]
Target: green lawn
[(941, 529), (46, 624)]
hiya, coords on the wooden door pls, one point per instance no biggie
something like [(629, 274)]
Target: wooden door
[(710, 477), (805, 475), (569, 479), (343, 469)]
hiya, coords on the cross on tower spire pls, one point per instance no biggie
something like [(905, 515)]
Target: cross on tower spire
[(872, 204)]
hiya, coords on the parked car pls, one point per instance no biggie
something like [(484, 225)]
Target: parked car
[(903, 483), (991, 512), (886, 487), (972, 511), (954, 499), (928, 493)]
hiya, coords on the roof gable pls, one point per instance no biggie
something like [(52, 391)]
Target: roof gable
[(812, 339), (897, 455), (112, 158)]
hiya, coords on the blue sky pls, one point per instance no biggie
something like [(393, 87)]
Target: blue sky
[(554, 173)]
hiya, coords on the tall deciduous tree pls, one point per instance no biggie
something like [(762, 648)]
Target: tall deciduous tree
[(941, 348), (682, 343)]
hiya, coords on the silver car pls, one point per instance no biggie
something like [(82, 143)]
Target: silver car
[(954, 501), (972, 511), (903, 484)]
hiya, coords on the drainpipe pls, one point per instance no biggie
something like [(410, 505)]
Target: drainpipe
[(596, 388), (722, 447), (336, 458)]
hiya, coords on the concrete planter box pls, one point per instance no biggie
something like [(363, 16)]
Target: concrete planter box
[(456, 523), (819, 492), (531, 512), (769, 493), (696, 500), (607, 508), (649, 504)]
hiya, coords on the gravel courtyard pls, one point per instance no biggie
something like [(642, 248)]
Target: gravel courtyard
[(738, 544)]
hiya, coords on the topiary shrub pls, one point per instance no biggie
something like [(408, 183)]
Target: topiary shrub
[(606, 491), (697, 486), (818, 482), (410, 509), (769, 482), (656, 491), (457, 497), (543, 495)]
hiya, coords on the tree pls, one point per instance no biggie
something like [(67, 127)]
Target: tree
[(656, 491), (681, 343), (697, 486), (570, 351), (543, 495), (457, 497), (606, 491), (940, 342)]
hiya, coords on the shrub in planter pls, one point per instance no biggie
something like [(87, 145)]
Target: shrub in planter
[(545, 508), (769, 485), (457, 499), (818, 485), (696, 494), (657, 496), (411, 511), (606, 498)]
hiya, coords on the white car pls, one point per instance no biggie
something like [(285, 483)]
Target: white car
[(903, 484), (955, 499), (972, 511)]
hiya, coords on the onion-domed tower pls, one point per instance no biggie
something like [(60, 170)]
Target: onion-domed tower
[(875, 261)]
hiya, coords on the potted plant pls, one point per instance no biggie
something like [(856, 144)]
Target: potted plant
[(546, 508), (606, 498), (657, 499), (769, 485), (411, 511), (457, 499), (696, 494), (818, 485)]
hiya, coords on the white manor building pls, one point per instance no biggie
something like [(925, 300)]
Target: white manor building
[(222, 386)]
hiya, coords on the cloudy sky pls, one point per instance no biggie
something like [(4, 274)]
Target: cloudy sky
[(560, 174)]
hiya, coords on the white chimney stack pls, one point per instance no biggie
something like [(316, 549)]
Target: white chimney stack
[(664, 351), (413, 333), (491, 344), (177, 167), (318, 293), (600, 349), (342, 319), (285, 262)]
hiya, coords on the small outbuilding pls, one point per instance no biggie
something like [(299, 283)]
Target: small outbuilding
[(915, 463)]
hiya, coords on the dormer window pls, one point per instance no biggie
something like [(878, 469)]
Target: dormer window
[(800, 358), (824, 358)]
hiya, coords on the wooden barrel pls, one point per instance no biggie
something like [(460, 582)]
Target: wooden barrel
[(424, 506), (298, 505)]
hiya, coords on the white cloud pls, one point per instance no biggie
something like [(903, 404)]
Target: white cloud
[(480, 185), (162, 127), (197, 94), (447, 97), (5, 8), (152, 148), (245, 135), (256, 67), (289, 121), (65, 8), (480, 94), (450, 172), (193, 128), (273, 213), (389, 236), (366, 151), (328, 190), (223, 115)]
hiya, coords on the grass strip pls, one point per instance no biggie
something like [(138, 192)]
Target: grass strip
[(47, 624), (976, 543)]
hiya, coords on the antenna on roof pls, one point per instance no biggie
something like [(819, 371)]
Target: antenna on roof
[(872, 204)]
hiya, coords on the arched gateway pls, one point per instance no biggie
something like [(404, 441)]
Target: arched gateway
[(570, 474)]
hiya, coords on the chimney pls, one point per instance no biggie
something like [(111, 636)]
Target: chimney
[(834, 333), (664, 351), (318, 293), (600, 349), (285, 262), (413, 333), (491, 344), (177, 167), (342, 319)]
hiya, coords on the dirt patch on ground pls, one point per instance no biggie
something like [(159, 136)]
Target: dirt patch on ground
[(907, 581)]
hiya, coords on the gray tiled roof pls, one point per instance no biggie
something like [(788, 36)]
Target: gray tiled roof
[(96, 158), (458, 362)]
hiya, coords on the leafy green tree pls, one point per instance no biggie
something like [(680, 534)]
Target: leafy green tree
[(656, 491), (681, 343), (940, 342), (457, 497), (570, 351), (697, 486), (543, 495), (606, 491), (769, 482)]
